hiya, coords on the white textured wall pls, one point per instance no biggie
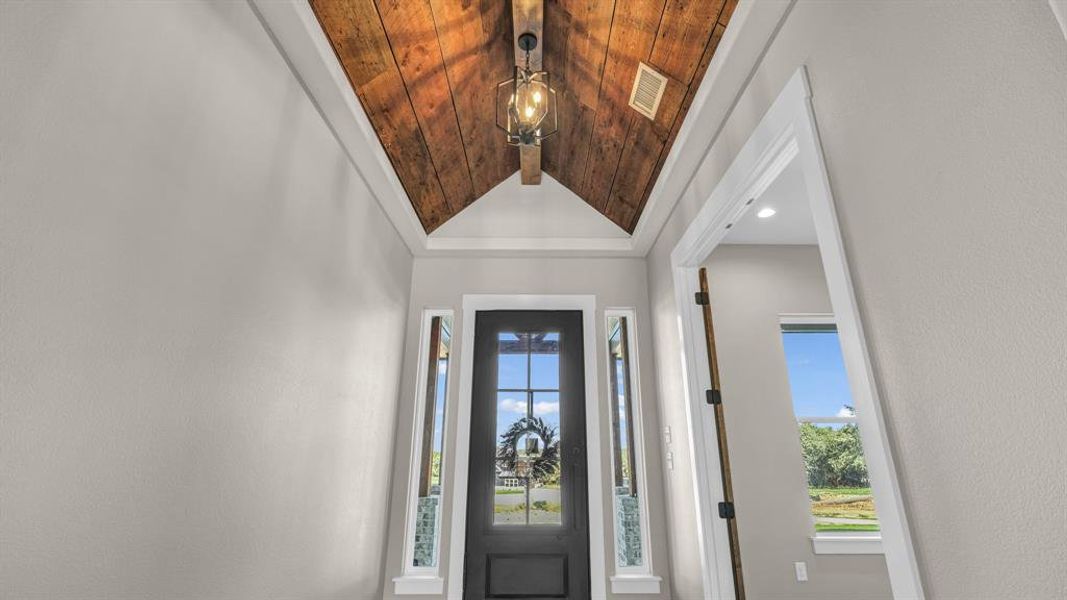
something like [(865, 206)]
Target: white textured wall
[(750, 286), (944, 126), (616, 283), (202, 312)]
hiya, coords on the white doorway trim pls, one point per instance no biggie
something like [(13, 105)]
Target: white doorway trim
[(472, 303), (786, 133)]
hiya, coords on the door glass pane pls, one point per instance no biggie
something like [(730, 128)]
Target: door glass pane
[(546, 503), (509, 498), (512, 362), (544, 361), (527, 443)]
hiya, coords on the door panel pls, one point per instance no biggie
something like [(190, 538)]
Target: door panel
[(527, 506), (524, 575)]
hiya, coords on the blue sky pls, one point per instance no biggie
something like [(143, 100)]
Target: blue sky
[(511, 373), (817, 377)]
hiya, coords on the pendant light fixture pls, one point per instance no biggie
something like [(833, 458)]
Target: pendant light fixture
[(526, 103)]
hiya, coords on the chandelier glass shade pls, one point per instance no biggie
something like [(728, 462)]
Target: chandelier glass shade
[(526, 107)]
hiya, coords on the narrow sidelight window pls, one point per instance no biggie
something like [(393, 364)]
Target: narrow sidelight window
[(838, 486), (629, 521), (427, 524)]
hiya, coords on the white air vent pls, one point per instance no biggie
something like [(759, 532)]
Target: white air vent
[(648, 91)]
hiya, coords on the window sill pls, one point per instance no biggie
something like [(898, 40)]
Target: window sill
[(635, 584), (847, 544), (410, 585)]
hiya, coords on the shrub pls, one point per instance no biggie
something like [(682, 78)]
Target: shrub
[(833, 457)]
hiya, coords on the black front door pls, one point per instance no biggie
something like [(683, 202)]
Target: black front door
[(527, 507)]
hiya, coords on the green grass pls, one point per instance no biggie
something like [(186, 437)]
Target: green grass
[(509, 508), (829, 527), (546, 506), (541, 505), (509, 491), (847, 503), (832, 492)]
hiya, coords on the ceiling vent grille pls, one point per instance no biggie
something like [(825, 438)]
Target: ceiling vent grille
[(648, 91)]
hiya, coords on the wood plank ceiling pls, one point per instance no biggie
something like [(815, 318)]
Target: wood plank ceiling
[(426, 71)]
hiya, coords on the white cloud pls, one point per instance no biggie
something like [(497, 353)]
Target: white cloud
[(540, 409), (846, 412), (545, 408), (512, 405)]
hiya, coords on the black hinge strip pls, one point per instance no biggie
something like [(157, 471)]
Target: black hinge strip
[(713, 396), (701, 298), (726, 510)]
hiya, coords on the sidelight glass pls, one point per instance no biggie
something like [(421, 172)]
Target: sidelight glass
[(428, 505), (838, 485), (527, 478), (627, 501)]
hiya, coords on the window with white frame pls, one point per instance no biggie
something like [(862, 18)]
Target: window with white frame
[(838, 484), (424, 517), (628, 498)]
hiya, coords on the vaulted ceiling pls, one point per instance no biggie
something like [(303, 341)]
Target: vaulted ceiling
[(425, 72)]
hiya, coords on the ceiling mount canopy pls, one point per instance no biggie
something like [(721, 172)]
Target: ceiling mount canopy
[(527, 42)]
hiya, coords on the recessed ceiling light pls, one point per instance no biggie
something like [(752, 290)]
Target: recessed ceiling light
[(766, 212)]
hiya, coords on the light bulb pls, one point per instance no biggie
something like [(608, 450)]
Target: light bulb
[(766, 212), (537, 97), (529, 111)]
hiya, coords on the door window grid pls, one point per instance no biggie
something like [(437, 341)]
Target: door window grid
[(527, 486)]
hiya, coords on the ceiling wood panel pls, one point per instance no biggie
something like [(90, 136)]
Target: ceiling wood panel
[(702, 67), (412, 34), (684, 31), (644, 139), (476, 41), (358, 37), (426, 71), (633, 31), (683, 34), (576, 42)]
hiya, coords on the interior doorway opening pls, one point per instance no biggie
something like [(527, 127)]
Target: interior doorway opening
[(805, 522), (775, 196)]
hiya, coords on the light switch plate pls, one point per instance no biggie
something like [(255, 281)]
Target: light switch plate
[(802, 571)]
